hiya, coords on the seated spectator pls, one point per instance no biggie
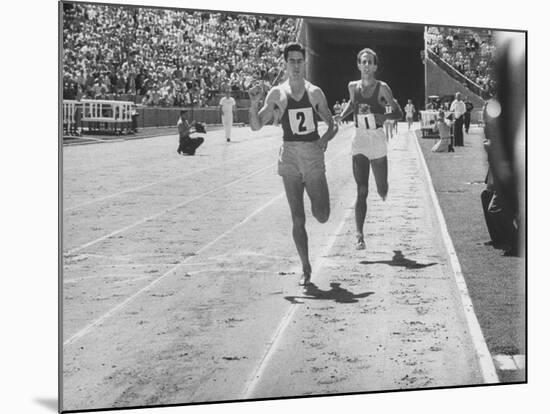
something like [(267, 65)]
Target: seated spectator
[(139, 47), (464, 49)]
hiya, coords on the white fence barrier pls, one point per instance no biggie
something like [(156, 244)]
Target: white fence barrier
[(69, 115), (96, 115)]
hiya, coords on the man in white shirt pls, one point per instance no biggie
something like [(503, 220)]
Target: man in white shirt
[(227, 108), (458, 108), (409, 113)]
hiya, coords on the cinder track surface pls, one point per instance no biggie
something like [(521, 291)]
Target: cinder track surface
[(180, 279)]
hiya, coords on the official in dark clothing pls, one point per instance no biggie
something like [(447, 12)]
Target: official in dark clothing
[(458, 108)]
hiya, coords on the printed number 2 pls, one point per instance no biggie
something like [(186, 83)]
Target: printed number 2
[(302, 118)]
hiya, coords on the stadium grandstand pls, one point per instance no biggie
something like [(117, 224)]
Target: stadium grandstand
[(166, 58), (163, 59), (470, 52)]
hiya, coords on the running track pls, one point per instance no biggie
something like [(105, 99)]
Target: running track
[(180, 279)]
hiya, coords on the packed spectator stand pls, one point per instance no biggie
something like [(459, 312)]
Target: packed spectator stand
[(180, 58), (159, 57), (469, 51)]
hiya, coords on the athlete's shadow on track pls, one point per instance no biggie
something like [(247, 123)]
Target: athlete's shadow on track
[(336, 293), (401, 261)]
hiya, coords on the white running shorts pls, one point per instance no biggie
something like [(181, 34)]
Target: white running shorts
[(371, 143)]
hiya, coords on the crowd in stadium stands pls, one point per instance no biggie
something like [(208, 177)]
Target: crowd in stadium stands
[(168, 57), (469, 51)]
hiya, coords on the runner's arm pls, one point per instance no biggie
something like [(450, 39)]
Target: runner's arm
[(348, 108), (260, 117), (321, 106), (386, 93)]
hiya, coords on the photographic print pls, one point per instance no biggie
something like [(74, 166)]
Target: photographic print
[(261, 206)]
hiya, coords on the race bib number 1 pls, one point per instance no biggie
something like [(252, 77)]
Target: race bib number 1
[(301, 121), (366, 121)]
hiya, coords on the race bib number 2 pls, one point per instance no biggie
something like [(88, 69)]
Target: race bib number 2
[(301, 121)]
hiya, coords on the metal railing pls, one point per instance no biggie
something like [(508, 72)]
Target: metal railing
[(455, 74)]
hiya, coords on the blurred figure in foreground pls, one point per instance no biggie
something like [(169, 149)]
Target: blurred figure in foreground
[(504, 117)]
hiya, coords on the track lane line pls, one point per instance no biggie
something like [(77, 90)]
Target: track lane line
[(111, 312), (273, 344), (88, 328), (165, 211), (484, 356), (168, 210), (133, 189)]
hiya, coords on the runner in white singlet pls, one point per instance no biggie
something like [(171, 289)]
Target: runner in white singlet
[(368, 100)]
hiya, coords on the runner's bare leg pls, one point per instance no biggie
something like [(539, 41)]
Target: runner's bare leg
[(294, 188), (317, 190), (380, 172), (361, 171)]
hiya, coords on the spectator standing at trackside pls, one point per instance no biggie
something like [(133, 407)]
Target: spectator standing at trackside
[(134, 114), (468, 114), (227, 110), (458, 109), (337, 108), (409, 113), (77, 126)]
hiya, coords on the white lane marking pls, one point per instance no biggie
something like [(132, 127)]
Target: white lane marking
[(509, 362), (94, 139), (273, 343), (94, 278), (485, 360), (121, 305), (520, 361), (276, 338), (504, 362), (179, 177), (168, 210), (226, 270), (128, 300)]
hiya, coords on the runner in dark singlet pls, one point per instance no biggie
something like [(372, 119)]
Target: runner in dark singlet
[(301, 158)]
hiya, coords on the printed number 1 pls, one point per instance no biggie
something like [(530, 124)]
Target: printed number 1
[(366, 123), (302, 117)]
